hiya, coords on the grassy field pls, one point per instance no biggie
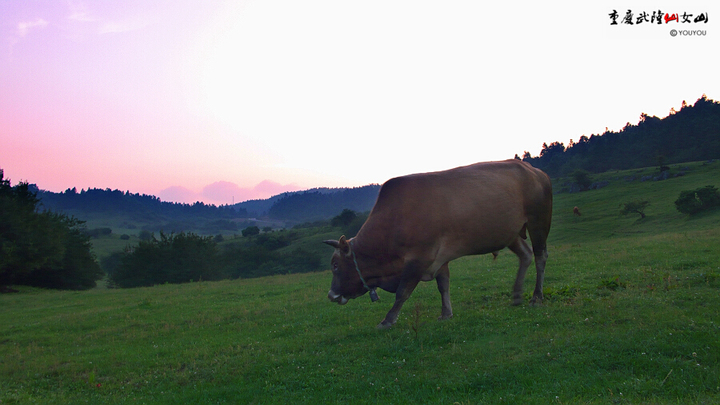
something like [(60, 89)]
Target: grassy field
[(632, 315)]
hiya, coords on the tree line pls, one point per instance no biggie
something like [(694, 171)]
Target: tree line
[(107, 200), (690, 134)]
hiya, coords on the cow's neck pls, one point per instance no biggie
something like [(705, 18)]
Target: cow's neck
[(376, 269)]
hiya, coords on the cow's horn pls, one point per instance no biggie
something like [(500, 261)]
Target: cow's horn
[(332, 243)]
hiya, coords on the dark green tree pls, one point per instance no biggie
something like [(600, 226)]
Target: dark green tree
[(251, 231), (43, 249), (582, 178), (701, 199), (345, 218)]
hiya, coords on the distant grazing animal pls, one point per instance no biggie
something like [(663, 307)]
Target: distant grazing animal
[(421, 222), (576, 211)]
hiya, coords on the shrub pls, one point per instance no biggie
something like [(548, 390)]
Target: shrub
[(273, 241), (171, 259), (701, 199), (251, 231)]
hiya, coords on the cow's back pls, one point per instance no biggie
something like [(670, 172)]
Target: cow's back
[(472, 209)]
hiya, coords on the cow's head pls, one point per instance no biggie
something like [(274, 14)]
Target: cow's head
[(346, 283)]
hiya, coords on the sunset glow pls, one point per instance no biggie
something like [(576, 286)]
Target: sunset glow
[(223, 101)]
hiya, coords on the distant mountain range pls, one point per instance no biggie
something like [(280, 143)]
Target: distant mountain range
[(299, 206), (312, 204), (318, 204), (260, 208)]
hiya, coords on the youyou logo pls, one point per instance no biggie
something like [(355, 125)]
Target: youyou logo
[(688, 33)]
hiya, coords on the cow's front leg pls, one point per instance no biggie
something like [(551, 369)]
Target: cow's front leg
[(443, 283), (409, 280)]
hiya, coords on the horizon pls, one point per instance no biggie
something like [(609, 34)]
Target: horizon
[(224, 101)]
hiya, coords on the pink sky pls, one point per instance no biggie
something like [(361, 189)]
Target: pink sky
[(223, 101)]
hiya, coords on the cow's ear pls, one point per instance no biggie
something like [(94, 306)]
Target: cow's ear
[(344, 246)]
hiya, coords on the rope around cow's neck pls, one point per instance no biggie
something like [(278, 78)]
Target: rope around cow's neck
[(373, 293)]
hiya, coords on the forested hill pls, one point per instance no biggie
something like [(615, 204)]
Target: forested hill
[(116, 201), (322, 204), (319, 203), (691, 134)]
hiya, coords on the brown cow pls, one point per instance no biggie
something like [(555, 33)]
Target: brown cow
[(576, 211), (421, 222)]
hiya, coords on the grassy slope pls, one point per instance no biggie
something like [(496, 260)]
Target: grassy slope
[(631, 316)]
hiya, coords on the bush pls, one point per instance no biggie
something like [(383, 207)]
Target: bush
[(273, 241), (698, 200), (251, 231), (171, 259), (242, 262)]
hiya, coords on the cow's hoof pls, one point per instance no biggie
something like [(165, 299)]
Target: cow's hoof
[(517, 301), (536, 302), (384, 325), (444, 317)]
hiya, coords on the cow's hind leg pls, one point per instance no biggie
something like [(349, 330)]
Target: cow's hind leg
[(524, 253), (443, 283), (541, 256), (538, 235)]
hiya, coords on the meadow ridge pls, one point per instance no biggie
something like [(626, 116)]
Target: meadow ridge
[(631, 315)]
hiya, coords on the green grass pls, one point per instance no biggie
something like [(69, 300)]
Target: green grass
[(600, 209), (631, 316)]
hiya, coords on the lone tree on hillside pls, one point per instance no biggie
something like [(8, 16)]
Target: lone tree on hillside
[(634, 207)]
